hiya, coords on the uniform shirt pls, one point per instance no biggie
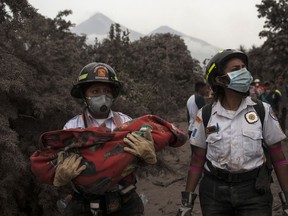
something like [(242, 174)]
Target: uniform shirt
[(194, 103), (77, 121), (235, 140)]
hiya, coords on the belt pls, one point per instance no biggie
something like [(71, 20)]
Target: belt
[(87, 197), (231, 177), (108, 203), (90, 197)]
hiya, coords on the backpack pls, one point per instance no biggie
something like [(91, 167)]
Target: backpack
[(260, 110)]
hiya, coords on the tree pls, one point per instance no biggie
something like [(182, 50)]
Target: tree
[(276, 34), (161, 70), (37, 59)]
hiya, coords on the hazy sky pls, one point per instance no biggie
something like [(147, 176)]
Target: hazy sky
[(223, 23)]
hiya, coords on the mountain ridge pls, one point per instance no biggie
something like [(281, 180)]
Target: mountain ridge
[(98, 26)]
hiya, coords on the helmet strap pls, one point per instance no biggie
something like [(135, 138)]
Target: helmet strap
[(84, 98), (85, 117)]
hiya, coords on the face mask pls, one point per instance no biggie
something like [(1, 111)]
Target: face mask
[(99, 105), (240, 80)]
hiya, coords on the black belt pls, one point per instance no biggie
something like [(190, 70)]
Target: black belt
[(108, 203), (231, 177), (90, 197), (87, 197)]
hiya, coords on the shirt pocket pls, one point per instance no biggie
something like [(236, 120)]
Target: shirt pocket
[(252, 142), (214, 143)]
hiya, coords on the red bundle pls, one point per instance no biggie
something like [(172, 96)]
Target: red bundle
[(102, 151)]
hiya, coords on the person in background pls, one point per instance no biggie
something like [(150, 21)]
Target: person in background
[(97, 85), (273, 97), (283, 89), (253, 92), (196, 102), (228, 149), (259, 87)]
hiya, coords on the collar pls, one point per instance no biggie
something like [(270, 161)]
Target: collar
[(247, 101), (110, 115)]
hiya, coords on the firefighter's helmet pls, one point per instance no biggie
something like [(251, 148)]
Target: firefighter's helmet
[(215, 66), (93, 73)]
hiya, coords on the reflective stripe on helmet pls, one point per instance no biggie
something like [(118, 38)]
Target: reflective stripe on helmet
[(278, 92), (83, 76), (209, 71)]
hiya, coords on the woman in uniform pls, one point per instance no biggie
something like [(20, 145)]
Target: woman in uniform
[(229, 150)]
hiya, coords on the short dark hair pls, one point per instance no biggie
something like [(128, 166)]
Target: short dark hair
[(199, 85)]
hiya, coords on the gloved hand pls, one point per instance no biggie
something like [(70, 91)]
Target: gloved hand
[(184, 211), (67, 169), (284, 200), (141, 146), (187, 203)]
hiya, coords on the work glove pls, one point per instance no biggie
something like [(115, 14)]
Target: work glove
[(141, 144), (284, 200), (186, 208), (67, 169)]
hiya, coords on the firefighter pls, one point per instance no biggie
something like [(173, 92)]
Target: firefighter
[(228, 147), (97, 85)]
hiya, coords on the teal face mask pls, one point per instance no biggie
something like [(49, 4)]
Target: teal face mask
[(240, 80)]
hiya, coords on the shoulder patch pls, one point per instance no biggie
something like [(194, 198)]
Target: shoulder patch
[(198, 119)]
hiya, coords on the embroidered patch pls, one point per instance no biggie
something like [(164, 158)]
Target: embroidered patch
[(251, 117), (101, 73), (211, 129), (198, 119), (272, 114)]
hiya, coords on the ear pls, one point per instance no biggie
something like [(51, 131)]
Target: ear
[(223, 80)]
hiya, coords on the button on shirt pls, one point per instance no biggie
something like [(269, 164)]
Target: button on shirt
[(77, 121), (235, 143)]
